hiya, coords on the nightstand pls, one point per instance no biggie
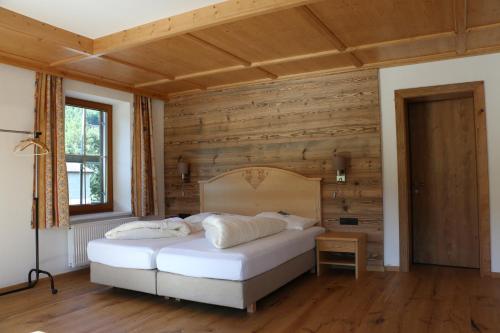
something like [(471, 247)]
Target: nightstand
[(341, 249)]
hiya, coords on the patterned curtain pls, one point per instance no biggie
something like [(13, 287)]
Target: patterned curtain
[(53, 209), (144, 199)]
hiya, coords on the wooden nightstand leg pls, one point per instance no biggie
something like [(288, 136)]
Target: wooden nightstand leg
[(362, 258), (251, 308), (318, 266), (356, 258)]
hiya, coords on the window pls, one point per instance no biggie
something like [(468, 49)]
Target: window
[(88, 143)]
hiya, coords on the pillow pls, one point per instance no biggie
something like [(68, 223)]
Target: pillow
[(293, 222), (197, 218), (225, 231), (194, 221)]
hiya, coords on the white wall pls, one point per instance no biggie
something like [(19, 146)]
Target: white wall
[(17, 87), (481, 68), (17, 243)]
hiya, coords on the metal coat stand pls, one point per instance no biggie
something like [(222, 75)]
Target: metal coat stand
[(32, 283)]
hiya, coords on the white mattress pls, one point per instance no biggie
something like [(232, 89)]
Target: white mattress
[(131, 253), (199, 258)]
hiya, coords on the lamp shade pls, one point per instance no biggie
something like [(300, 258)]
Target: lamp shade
[(183, 168), (339, 162)]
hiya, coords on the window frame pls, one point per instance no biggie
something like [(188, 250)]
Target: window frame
[(108, 206)]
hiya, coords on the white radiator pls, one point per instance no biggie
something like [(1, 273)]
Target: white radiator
[(80, 234)]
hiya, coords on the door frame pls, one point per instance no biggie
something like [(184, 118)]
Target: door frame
[(433, 93)]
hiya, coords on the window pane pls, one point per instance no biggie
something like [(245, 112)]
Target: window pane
[(94, 180), (74, 183), (74, 129), (93, 133)]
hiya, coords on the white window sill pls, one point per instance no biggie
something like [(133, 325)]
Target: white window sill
[(85, 218)]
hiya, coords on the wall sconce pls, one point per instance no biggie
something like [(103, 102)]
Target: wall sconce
[(340, 164), (183, 169)]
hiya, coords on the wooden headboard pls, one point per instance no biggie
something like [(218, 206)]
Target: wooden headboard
[(248, 191)]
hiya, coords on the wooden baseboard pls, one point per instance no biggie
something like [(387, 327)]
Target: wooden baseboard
[(42, 278), (392, 268), (495, 275), (375, 268)]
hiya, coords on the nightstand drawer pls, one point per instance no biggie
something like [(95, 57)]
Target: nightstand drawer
[(336, 246)]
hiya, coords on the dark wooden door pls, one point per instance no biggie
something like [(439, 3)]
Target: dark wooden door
[(444, 182)]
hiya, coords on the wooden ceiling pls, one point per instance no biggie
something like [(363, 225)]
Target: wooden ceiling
[(242, 41)]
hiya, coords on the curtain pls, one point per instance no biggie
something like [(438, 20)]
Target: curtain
[(144, 198), (53, 208)]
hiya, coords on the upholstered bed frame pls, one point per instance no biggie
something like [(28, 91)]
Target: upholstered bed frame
[(245, 191)]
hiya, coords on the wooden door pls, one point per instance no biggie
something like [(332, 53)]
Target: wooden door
[(444, 182)]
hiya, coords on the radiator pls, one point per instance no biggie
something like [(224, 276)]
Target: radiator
[(80, 234)]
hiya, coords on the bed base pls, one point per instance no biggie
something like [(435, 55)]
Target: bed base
[(235, 294), (143, 280)]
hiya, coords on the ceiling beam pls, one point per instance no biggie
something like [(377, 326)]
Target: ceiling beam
[(193, 75), (197, 85), (320, 26), (22, 24), (216, 48), (152, 83), (210, 72), (187, 77), (460, 16), (267, 73), (395, 42), (246, 63), (298, 57), (167, 76), (69, 60), (206, 17), (491, 26), (354, 59), (35, 65)]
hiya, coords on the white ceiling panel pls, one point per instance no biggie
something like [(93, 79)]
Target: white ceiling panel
[(97, 18)]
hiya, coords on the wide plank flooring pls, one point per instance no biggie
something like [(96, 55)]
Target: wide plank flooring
[(429, 299)]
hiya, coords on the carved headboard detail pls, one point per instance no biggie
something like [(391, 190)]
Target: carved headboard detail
[(252, 190)]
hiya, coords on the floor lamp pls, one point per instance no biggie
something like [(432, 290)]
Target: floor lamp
[(40, 149)]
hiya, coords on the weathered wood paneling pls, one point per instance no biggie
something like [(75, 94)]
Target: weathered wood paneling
[(295, 124)]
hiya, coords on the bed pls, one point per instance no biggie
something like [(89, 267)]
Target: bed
[(238, 277), (248, 272)]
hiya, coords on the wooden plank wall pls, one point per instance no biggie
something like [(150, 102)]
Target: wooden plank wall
[(295, 124)]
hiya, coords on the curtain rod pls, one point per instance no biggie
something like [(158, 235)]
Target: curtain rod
[(15, 131)]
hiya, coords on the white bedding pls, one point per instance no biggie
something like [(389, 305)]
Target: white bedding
[(168, 228), (199, 258), (136, 253), (226, 231)]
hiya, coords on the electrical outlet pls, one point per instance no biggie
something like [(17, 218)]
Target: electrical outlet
[(348, 221)]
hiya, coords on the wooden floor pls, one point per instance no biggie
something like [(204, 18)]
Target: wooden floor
[(430, 299)]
